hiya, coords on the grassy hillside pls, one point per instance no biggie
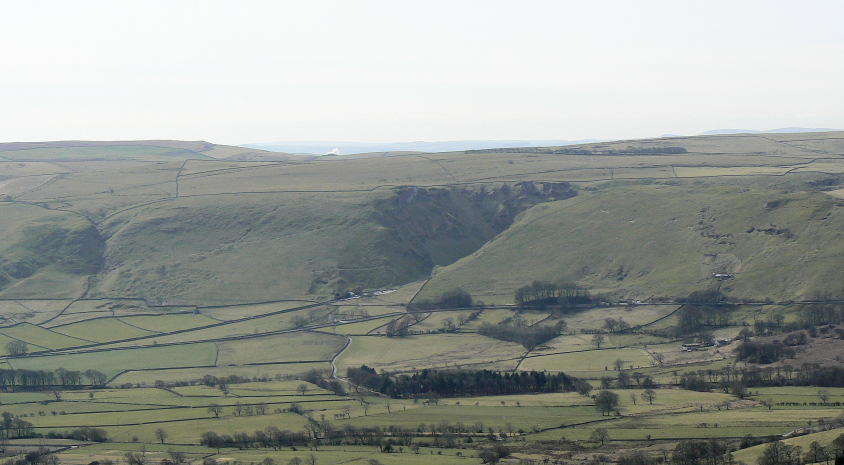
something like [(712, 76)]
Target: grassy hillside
[(194, 222), (640, 241)]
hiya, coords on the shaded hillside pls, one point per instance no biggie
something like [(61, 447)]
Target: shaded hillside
[(263, 247), (43, 248), (641, 241)]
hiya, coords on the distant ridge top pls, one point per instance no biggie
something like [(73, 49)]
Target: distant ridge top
[(718, 132)]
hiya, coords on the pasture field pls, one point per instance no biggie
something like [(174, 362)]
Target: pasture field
[(236, 312), (496, 417), (168, 323), (249, 328), (41, 337), (588, 363), (436, 321), (638, 315), (428, 351), (800, 395), (361, 328), (491, 316), (112, 362), (101, 330), (292, 347)]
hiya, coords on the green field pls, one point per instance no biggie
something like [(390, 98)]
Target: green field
[(113, 362)]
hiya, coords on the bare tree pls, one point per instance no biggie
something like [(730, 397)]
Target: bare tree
[(823, 395), (598, 339), (136, 458), (161, 435), (649, 395), (303, 388), (600, 435), (216, 409)]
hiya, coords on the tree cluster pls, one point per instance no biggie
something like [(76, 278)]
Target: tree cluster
[(15, 427), (606, 402), (818, 314), (701, 452), (763, 353), (530, 336), (455, 298), (460, 383), (542, 294)]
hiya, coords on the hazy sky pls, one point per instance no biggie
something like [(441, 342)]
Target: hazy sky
[(240, 72)]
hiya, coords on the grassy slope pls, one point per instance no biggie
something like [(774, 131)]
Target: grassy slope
[(640, 241), (199, 223)]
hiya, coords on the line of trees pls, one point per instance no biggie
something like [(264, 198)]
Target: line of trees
[(542, 294), (460, 383), (11, 380), (728, 378), (818, 314)]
